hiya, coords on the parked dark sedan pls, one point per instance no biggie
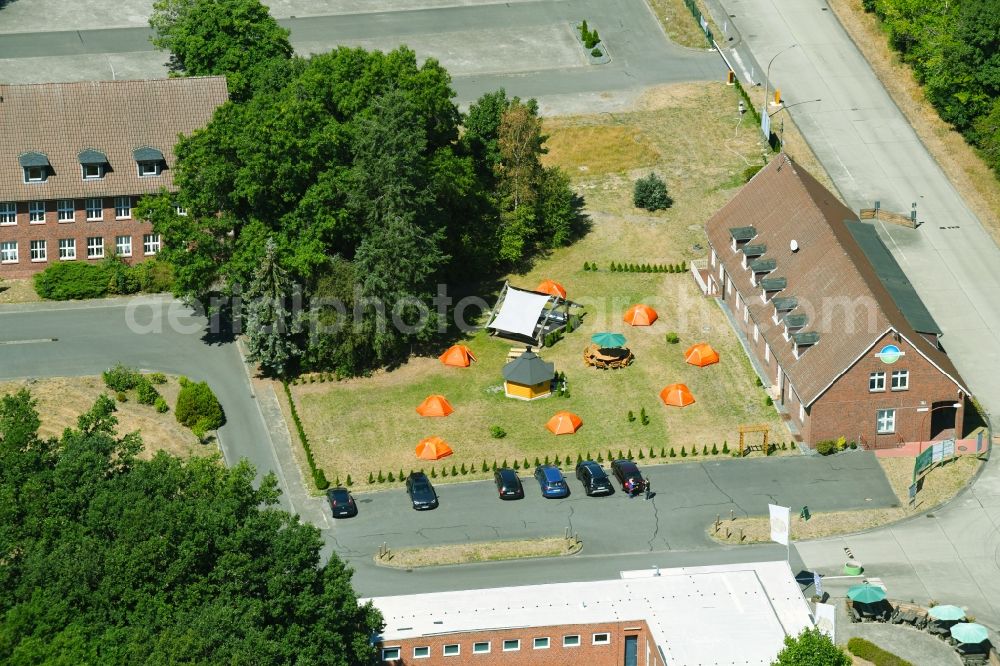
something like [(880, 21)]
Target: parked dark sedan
[(594, 479), (341, 503), (551, 481), (508, 484), (421, 492), (627, 473)]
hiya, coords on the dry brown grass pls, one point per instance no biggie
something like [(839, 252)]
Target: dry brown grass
[(678, 23), (600, 149), (976, 183), (62, 399), (363, 425), (411, 558), (18, 291), (937, 487)]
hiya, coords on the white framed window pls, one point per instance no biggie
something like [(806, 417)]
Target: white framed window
[(147, 169), (540, 643), (123, 208), (36, 212), (95, 247), (8, 252), (802, 413), (482, 647), (571, 640), (900, 380), (95, 209), (8, 213), (602, 638), (876, 381), (390, 653), (35, 174), (123, 246), (767, 352), (39, 251), (722, 271), (512, 645), (746, 315), (712, 259), (67, 249), (150, 244), (422, 652), (66, 211), (93, 171), (885, 421), (756, 333), (181, 211), (452, 650)]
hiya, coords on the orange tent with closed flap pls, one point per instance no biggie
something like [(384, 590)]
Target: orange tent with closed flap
[(701, 355), (564, 423), (676, 395), (640, 315), (459, 356), (552, 288), (435, 405), (433, 448)]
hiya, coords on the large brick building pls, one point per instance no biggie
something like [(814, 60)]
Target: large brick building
[(75, 157), (828, 316), (726, 614)]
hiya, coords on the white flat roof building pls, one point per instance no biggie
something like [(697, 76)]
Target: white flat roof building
[(725, 614)]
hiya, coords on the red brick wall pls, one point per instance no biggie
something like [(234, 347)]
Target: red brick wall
[(847, 409), (612, 654), (79, 229)]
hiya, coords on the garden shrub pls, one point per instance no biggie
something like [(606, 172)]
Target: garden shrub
[(371, 476), (72, 280), (496, 432), (868, 651), (157, 377), (161, 406), (826, 447), (146, 393), (672, 338), (121, 378), (715, 449), (683, 453), (155, 276), (349, 482), (517, 465), (651, 193), (672, 454), (485, 467), (768, 401), (631, 416), (319, 478), (121, 397), (750, 172), (391, 478), (196, 403)]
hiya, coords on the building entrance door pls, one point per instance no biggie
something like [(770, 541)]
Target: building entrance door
[(631, 651)]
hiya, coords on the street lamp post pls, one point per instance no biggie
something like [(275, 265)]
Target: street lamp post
[(767, 78)]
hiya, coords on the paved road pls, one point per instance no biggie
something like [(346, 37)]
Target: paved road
[(151, 333), (872, 153), (688, 497), (527, 47)]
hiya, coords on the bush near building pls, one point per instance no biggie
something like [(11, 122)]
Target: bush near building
[(198, 408), (72, 280)]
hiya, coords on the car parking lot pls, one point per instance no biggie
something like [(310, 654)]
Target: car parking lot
[(687, 497)]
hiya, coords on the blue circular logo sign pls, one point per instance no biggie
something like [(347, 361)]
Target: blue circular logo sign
[(889, 354)]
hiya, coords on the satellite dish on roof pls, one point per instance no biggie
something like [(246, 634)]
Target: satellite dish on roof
[(793, 245)]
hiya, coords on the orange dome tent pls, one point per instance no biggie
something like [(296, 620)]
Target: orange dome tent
[(433, 448), (701, 355), (459, 356), (640, 315), (676, 395), (552, 288), (435, 405), (564, 423)]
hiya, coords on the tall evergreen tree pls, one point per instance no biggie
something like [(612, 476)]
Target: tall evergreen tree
[(274, 314)]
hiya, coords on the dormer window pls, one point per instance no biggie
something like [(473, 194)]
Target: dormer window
[(36, 167), (770, 286), (794, 323), (149, 161), (741, 236), (804, 341), (783, 305), (93, 164)]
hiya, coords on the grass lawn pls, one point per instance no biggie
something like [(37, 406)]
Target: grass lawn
[(687, 134), (62, 399)]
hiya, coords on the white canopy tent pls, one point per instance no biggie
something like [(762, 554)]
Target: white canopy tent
[(520, 313)]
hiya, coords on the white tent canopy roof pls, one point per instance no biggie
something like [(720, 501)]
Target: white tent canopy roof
[(520, 312)]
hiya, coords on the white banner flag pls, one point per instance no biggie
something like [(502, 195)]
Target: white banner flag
[(780, 516), (826, 619)]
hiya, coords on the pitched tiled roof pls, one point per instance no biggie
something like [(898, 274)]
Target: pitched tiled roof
[(62, 120), (828, 275)]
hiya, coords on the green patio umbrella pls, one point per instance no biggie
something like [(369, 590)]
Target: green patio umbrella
[(947, 612), (969, 632), (607, 340), (866, 594)]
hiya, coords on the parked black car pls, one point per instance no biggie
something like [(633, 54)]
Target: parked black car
[(594, 479), (508, 484), (627, 473), (421, 492), (341, 503)]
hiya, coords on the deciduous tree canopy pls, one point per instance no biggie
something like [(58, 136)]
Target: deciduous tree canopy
[(108, 559)]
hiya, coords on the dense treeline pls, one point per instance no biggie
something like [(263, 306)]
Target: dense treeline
[(954, 50), (353, 177), (108, 559)]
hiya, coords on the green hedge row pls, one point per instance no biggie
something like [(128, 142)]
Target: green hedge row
[(318, 475), (868, 651), (621, 267), (73, 280)]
